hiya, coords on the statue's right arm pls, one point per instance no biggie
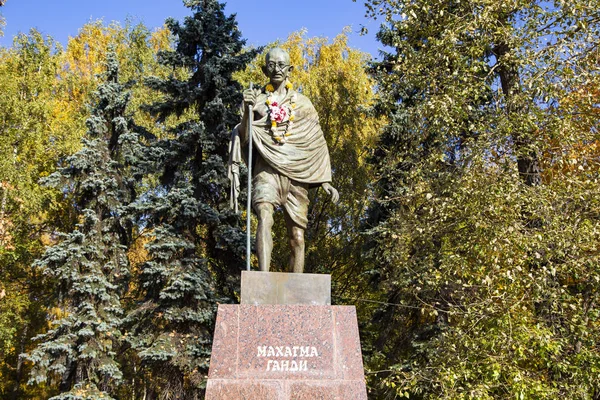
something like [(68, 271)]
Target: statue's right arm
[(250, 97), (249, 100)]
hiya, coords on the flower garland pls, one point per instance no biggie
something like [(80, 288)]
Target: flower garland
[(279, 114)]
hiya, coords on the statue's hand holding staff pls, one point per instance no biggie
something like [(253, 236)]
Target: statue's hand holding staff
[(250, 96)]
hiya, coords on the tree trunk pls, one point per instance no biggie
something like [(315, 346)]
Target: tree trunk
[(528, 162), (19, 370)]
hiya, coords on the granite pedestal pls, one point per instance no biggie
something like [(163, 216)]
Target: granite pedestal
[(285, 352)]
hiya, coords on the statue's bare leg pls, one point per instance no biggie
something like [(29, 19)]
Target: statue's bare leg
[(264, 238), (296, 236)]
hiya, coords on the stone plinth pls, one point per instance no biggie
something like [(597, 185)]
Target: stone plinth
[(284, 352), (285, 288)]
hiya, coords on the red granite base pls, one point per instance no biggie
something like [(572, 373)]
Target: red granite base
[(284, 352)]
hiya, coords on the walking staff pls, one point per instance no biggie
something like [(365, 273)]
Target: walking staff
[(249, 205)]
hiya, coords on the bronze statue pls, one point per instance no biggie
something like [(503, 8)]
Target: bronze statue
[(290, 156)]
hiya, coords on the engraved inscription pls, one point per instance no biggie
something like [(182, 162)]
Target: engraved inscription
[(295, 352), (287, 365)]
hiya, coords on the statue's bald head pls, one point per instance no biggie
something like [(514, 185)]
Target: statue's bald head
[(278, 51), (277, 67)]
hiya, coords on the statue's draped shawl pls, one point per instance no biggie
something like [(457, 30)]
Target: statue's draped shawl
[(304, 156), (233, 169)]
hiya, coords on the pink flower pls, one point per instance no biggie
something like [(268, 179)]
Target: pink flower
[(279, 114)]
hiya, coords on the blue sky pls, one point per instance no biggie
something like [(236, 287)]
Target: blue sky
[(260, 24)]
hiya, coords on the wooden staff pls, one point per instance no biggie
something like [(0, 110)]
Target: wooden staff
[(249, 205)]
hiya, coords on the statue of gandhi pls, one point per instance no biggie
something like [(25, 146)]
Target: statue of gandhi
[(290, 157)]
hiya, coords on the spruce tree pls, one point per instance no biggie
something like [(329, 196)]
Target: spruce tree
[(195, 245), (88, 267)]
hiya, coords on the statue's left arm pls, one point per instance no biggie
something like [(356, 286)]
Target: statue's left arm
[(330, 190)]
